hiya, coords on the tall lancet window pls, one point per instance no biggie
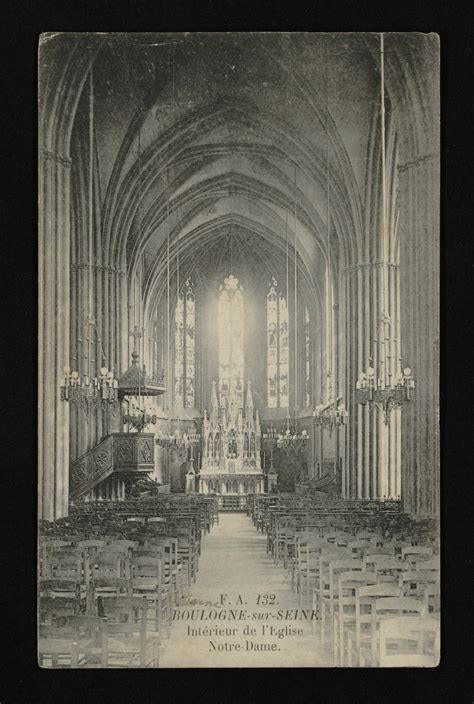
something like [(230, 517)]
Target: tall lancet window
[(277, 348), (307, 360), (231, 340), (184, 346)]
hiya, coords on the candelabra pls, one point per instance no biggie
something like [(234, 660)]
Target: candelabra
[(139, 419), (381, 396), (331, 417), (87, 390), (178, 439), (292, 440), (270, 433), (169, 440)]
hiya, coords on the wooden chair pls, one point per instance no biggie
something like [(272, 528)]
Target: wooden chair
[(298, 565), (433, 565), (106, 563), (361, 640), (432, 597), (65, 563), (76, 641), (187, 552), (46, 547), (344, 608), (330, 595), (387, 551), (128, 644), (91, 547), (409, 642), (309, 551), (397, 546), (327, 554), (105, 576), (58, 588), (339, 539), (358, 547), (105, 588), (386, 568), (172, 569), (50, 609), (147, 580), (414, 582), (389, 608), (415, 553), (124, 548)]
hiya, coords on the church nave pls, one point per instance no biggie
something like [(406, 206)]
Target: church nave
[(234, 562), (238, 349)]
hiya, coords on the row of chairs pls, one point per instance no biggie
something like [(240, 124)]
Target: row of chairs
[(374, 591), (108, 580), (260, 508), (136, 528), (119, 637)]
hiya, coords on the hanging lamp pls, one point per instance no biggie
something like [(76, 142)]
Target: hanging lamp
[(292, 441), (93, 387), (375, 386)]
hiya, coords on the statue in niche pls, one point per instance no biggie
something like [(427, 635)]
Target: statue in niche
[(272, 335), (216, 446), (232, 445)]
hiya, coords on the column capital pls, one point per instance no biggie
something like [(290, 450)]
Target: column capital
[(58, 158)]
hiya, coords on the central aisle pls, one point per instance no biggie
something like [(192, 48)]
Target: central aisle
[(234, 563)]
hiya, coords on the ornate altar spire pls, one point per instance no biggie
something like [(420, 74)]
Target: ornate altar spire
[(249, 404), (214, 403)]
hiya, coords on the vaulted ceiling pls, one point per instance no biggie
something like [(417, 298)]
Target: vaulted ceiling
[(199, 136)]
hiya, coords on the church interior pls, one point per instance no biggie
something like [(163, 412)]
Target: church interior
[(239, 349)]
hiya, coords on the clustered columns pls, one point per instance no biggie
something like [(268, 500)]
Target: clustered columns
[(53, 322), (374, 448), (419, 225), (416, 106)]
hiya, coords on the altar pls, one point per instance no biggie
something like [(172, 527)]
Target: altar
[(231, 442)]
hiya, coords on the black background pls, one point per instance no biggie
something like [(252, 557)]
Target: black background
[(20, 678)]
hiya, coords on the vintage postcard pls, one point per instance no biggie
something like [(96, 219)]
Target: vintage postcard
[(238, 350)]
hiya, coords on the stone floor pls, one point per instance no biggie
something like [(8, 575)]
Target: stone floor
[(235, 567)]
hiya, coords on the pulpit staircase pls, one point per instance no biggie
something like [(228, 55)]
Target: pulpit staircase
[(123, 454)]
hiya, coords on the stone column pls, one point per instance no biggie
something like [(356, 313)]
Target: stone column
[(53, 324), (419, 317), (372, 448)]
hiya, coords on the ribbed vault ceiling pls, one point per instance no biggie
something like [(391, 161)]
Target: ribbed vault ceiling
[(196, 135)]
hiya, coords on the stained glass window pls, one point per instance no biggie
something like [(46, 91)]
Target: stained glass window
[(231, 340), (277, 348), (184, 347)]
